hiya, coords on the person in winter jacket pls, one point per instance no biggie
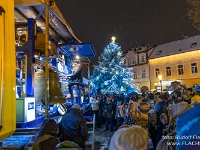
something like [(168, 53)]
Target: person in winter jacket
[(162, 125), (160, 105), (150, 100), (131, 112), (163, 144), (74, 124), (196, 98), (109, 109), (187, 97), (152, 126), (118, 115), (183, 127), (94, 101), (45, 137)]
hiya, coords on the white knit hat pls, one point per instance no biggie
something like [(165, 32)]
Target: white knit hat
[(134, 137), (114, 144)]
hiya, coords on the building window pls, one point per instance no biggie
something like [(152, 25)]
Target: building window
[(157, 72), (135, 75), (193, 45), (180, 70), (194, 68), (142, 58), (168, 71), (129, 61), (143, 74), (134, 60)]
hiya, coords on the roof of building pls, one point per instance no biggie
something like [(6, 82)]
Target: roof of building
[(139, 49), (176, 47)]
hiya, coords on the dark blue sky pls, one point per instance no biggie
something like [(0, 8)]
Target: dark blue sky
[(133, 22)]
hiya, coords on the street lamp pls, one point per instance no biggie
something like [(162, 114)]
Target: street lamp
[(160, 78), (77, 57)]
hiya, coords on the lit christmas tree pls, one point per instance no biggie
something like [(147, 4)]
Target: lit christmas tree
[(111, 74)]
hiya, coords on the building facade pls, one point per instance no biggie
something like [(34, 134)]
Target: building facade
[(176, 61), (137, 59)]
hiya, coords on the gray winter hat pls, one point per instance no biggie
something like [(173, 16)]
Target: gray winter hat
[(134, 137), (76, 106)]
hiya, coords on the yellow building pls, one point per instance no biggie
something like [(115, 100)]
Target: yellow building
[(176, 61)]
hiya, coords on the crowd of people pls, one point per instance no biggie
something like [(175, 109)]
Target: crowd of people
[(135, 118), (154, 112)]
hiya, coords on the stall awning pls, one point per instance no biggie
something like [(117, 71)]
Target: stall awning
[(81, 49)]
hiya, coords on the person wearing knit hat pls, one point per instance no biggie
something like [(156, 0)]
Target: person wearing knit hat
[(76, 106), (131, 138)]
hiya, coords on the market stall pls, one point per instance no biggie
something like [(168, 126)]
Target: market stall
[(46, 58)]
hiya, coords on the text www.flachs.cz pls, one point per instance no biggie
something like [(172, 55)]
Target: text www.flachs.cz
[(184, 143)]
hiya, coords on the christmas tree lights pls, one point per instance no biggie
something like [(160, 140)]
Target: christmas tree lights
[(111, 73)]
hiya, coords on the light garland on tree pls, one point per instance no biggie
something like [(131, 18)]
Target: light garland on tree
[(112, 71)]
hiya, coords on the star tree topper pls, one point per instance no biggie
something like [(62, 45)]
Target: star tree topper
[(113, 39)]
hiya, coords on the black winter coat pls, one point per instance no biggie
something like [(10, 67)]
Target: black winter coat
[(109, 107), (75, 126)]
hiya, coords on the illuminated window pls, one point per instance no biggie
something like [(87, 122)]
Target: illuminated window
[(157, 72), (168, 71), (180, 70), (135, 75), (143, 74), (194, 68)]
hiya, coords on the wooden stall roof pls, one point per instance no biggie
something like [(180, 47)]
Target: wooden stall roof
[(59, 29)]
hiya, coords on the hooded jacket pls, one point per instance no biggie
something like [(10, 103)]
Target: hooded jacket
[(75, 126)]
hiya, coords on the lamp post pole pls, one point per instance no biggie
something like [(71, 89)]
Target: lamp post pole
[(161, 86), (160, 78), (47, 62)]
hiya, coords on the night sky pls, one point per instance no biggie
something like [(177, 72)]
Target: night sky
[(132, 22)]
